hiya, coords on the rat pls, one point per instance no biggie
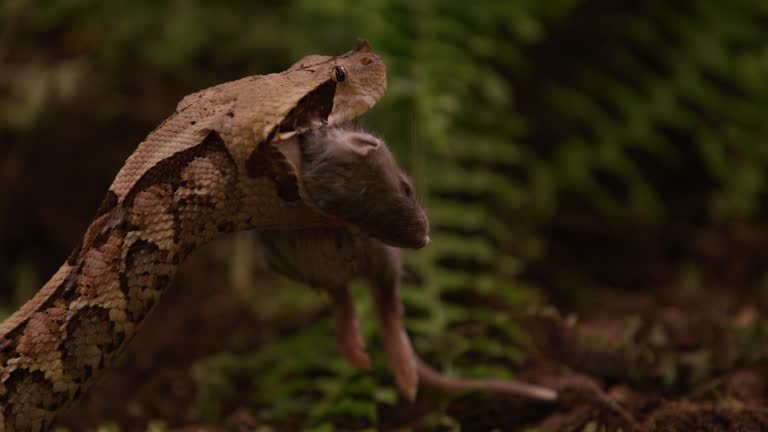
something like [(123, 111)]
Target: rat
[(353, 176)]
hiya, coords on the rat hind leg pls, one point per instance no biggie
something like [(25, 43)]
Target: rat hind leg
[(402, 361), (409, 370)]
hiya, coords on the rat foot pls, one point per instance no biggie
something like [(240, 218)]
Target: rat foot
[(350, 341)]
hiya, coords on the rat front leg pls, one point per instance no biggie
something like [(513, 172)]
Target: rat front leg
[(351, 342)]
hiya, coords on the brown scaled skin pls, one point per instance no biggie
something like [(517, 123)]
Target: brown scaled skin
[(353, 176), (211, 168)]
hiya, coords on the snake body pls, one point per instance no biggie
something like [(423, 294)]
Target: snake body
[(213, 167)]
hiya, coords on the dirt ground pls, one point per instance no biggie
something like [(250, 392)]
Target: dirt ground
[(678, 335)]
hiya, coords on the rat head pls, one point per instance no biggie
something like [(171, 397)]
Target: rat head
[(352, 175)]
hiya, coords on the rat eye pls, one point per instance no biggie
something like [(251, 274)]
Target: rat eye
[(407, 189), (339, 74)]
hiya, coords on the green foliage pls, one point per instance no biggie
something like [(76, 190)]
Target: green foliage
[(104, 44), (450, 116), (300, 375), (498, 131), (677, 84), (653, 356), (512, 116)]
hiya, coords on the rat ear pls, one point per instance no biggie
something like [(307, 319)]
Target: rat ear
[(361, 144)]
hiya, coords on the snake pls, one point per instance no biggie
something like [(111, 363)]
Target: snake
[(214, 167)]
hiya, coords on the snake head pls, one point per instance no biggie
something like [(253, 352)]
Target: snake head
[(348, 86)]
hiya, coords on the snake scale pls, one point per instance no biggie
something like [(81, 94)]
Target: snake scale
[(215, 166)]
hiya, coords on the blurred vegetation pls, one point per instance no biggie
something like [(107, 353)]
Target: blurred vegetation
[(565, 144)]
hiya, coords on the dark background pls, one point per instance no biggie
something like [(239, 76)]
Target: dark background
[(595, 173)]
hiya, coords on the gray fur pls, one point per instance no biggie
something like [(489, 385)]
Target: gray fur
[(353, 175), (329, 258)]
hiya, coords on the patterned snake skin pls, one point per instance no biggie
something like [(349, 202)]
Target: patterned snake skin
[(213, 167)]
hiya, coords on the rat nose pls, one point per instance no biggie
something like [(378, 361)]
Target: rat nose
[(424, 242)]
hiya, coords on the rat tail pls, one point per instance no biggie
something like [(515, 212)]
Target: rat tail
[(439, 381)]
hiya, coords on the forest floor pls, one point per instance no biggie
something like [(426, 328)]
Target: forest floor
[(677, 365)]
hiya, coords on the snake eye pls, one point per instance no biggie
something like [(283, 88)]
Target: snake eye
[(339, 74)]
